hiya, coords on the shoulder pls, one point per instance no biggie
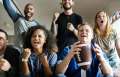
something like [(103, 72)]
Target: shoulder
[(77, 15), (52, 55), (36, 22), (11, 49)]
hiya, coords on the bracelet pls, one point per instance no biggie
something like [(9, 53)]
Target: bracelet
[(24, 60)]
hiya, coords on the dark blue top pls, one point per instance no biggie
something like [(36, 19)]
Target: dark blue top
[(74, 70), (64, 36)]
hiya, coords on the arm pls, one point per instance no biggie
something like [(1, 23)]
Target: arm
[(72, 29), (115, 16), (43, 59), (62, 66), (54, 26), (11, 9), (25, 68), (24, 64), (105, 67)]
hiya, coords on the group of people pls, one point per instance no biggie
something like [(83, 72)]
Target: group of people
[(71, 48)]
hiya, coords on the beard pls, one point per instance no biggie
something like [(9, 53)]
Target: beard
[(67, 8), (28, 15)]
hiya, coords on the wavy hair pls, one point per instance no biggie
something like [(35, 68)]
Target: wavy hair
[(31, 30), (108, 26)]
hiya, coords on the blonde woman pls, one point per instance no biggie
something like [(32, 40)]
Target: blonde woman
[(107, 39)]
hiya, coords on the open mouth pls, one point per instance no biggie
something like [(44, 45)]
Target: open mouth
[(101, 21), (83, 35), (36, 42)]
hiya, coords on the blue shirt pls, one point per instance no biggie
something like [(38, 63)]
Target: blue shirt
[(74, 70), (34, 63)]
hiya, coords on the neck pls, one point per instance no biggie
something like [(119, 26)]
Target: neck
[(68, 12), (29, 19), (102, 30), (38, 50)]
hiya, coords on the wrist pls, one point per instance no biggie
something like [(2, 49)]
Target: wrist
[(24, 60), (74, 30), (54, 21), (102, 60)]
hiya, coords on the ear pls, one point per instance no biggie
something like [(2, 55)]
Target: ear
[(6, 41)]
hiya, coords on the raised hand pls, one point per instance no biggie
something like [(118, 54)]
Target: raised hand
[(43, 59), (55, 16), (26, 54), (98, 51)]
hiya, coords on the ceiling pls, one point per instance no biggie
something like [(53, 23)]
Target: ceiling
[(45, 9)]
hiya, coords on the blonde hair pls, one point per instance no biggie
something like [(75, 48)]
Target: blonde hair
[(85, 23), (108, 29)]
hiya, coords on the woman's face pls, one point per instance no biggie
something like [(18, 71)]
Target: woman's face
[(38, 39), (85, 34), (102, 19)]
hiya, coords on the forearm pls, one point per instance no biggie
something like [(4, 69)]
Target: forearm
[(106, 68), (54, 27), (25, 68), (62, 67), (75, 31), (11, 9), (47, 70)]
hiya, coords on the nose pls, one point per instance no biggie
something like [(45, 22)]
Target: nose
[(36, 38), (29, 9), (84, 31)]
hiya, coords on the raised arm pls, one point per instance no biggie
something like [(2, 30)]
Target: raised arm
[(54, 26), (11, 9)]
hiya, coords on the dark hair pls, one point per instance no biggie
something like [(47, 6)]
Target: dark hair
[(1, 30), (31, 30)]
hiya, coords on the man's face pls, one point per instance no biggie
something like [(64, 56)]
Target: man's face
[(3, 41), (29, 11), (85, 34), (67, 4)]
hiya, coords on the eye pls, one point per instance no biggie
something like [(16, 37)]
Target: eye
[(39, 36), (87, 30), (1, 38)]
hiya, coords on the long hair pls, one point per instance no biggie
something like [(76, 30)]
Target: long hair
[(108, 26), (31, 30)]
